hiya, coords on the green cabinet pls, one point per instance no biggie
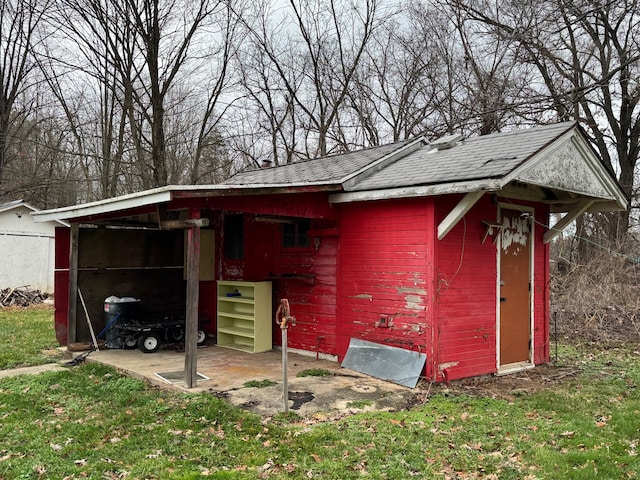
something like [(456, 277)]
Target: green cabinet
[(245, 315)]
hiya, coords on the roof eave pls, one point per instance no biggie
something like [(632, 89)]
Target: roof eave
[(168, 193), (125, 202), (487, 184)]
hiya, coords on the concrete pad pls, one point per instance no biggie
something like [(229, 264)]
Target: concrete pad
[(14, 372), (228, 370)]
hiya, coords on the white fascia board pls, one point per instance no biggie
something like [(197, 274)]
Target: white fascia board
[(133, 200), (485, 185), (240, 187), (12, 206), (610, 183), (150, 197)]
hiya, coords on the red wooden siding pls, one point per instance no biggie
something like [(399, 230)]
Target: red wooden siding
[(306, 277), (303, 205), (541, 291), (312, 298), (466, 271), (383, 271), (207, 305), (61, 284)]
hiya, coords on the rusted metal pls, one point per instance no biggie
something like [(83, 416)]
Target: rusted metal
[(283, 320)]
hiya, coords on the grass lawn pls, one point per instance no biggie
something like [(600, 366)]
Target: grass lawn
[(91, 422), (27, 337)]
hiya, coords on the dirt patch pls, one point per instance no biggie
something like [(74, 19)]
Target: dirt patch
[(543, 377), (56, 353)]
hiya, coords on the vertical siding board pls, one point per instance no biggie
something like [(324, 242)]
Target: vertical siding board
[(541, 288), (383, 258), (306, 277)]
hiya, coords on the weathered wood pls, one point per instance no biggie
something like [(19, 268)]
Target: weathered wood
[(73, 283), (189, 223), (21, 297), (565, 221), (191, 328)]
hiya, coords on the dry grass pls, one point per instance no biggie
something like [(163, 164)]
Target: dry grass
[(599, 300)]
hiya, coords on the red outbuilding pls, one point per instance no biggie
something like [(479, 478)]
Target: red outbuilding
[(440, 248)]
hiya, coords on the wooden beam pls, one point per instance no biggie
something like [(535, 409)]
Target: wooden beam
[(565, 221), (177, 224), (193, 287), (459, 211), (72, 326)]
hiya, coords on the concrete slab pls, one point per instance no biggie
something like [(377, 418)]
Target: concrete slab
[(228, 370), (14, 372)]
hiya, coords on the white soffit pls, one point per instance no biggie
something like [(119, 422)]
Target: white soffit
[(140, 199)]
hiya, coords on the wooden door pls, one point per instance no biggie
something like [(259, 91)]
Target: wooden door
[(515, 278)]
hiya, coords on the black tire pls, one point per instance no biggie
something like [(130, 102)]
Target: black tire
[(176, 334), (201, 338), (149, 342), (130, 342)]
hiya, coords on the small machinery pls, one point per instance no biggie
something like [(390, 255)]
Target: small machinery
[(127, 327)]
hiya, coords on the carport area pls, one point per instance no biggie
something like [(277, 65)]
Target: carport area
[(226, 371)]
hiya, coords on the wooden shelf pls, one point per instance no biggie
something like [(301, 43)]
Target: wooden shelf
[(236, 299), (241, 316), (241, 332), (238, 346), (244, 315)]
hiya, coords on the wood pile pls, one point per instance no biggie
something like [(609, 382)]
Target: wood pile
[(21, 297)]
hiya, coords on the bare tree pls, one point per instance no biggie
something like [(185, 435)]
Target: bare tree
[(268, 96), (397, 85), (587, 59), (315, 49), (20, 34), (140, 50)]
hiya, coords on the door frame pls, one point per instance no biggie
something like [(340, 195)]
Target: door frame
[(527, 364)]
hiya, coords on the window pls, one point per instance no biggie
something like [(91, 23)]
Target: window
[(295, 235), (234, 237)]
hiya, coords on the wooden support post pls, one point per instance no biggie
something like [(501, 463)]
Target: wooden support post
[(72, 326), (193, 287), (459, 211), (565, 221)]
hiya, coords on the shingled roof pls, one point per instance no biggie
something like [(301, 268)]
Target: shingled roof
[(333, 169), (550, 163), (482, 157)]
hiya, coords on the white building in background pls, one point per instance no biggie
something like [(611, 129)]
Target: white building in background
[(27, 249)]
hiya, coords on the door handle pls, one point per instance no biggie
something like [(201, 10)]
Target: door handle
[(503, 299)]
